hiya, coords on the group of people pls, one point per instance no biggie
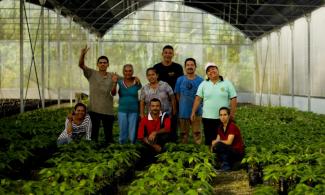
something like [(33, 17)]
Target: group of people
[(169, 101)]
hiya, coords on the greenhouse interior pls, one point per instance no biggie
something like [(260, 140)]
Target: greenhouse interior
[(269, 53)]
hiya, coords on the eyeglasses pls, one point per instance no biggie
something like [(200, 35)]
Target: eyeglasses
[(102, 62)]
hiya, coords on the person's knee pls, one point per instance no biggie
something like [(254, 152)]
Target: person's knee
[(219, 147), (63, 141)]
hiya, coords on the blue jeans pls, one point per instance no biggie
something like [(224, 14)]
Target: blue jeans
[(227, 155), (128, 126), (64, 141)]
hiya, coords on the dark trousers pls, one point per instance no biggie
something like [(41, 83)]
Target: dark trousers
[(210, 127), (225, 153), (162, 139), (107, 121), (148, 153), (173, 129)]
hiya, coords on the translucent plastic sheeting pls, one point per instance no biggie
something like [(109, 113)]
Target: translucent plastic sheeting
[(137, 39), (279, 75), (317, 53)]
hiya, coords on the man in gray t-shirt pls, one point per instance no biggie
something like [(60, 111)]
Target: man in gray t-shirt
[(101, 83)]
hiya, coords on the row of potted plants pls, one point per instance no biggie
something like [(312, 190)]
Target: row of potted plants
[(284, 149)]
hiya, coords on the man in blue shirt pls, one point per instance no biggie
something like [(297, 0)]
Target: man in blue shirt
[(185, 90)]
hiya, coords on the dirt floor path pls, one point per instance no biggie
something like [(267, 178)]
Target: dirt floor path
[(232, 183)]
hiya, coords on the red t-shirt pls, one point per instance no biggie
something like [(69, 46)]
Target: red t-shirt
[(237, 143), (152, 125)]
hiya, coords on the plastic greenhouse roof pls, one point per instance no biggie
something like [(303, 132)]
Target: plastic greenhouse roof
[(253, 17)]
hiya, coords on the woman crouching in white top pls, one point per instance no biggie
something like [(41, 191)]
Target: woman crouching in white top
[(77, 125)]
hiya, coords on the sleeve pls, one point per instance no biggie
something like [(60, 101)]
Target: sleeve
[(232, 91), (119, 85), (181, 71), (233, 129), (167, 124), (64, 134), (66, 123), (218, 131), (141, 129), (199, 91), (139, 86), (177, 86), (142, 93), (87, 72), (156, 66), (169, 89), (89, 128)]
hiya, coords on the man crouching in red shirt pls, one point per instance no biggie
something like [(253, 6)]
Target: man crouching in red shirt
[(154, 129), (229, 144)]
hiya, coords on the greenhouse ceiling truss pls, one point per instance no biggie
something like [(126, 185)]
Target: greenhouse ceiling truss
[(253, 17)]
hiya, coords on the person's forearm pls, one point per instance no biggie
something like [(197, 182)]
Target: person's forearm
[(141, 108), (177, 97), (113, 91), (196, 104), (145, 140), (162, 130), (233, 106), (82, 61), (69, 128), (174, 105), (227, 142), (88, 137)]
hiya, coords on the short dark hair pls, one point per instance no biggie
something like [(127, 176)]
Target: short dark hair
[(151, 68), (127, 65), (225, 108), (190, 59), (102, 57), (168, 47), (155, 100), (80, 104)]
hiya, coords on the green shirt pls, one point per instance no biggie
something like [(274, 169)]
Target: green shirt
[(215, 96), (100, 98)]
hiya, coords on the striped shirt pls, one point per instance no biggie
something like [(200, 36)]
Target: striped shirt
[(77, 130)]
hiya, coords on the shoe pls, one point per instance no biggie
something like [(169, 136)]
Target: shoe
[(225, 166)]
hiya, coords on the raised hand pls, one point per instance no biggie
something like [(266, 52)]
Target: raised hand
[(82, 57), (114, 77), (137, 81), (84, 50)]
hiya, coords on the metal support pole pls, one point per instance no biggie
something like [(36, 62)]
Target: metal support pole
[(42, 53), (21, 53), (48, 55), (264, 69), (308, 18), (278, 67), (292, 67), (256, 74), (70, 59), (58, 45), (269, 74), (1, 77)]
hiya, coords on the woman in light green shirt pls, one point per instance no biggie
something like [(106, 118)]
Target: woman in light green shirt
[(215, 92)]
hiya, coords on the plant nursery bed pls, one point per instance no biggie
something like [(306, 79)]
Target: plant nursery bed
[(232, 182)]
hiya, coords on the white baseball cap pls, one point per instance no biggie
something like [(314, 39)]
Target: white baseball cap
[(209, 64)]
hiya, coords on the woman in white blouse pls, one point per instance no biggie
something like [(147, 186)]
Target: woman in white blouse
[(77, 125)]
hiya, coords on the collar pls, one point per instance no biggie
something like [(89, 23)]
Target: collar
[(150, 117)]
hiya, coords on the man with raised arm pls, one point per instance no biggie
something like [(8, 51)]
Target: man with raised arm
[(101, 83)]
